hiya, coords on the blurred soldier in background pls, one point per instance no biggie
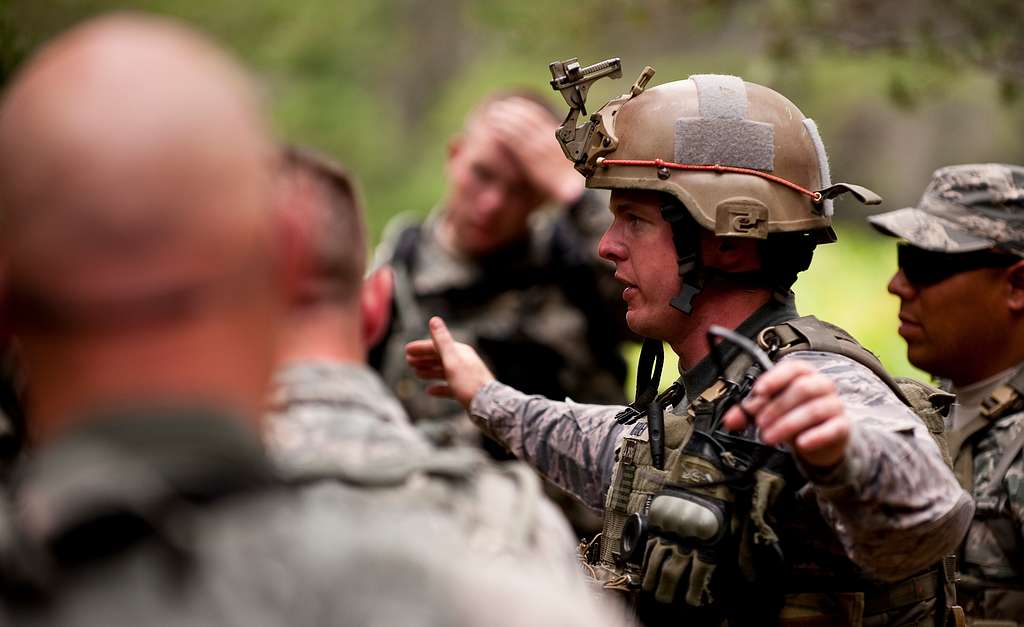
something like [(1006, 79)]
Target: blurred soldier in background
[(961, 288), (509, 260), (148, 289), (829, 503), (333, 416)]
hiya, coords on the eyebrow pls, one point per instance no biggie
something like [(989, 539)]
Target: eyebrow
[(627, 205)]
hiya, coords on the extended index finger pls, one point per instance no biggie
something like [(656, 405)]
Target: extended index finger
[(421, 349)]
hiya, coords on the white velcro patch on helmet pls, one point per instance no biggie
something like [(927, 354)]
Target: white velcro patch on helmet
[(823, 170), (721, 96), (723, 135)]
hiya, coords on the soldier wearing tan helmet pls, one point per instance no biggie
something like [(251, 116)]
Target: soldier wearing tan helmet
[(961, 288), (808, 492)]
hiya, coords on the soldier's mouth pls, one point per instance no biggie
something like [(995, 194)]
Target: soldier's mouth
[(630, 290), (624, 281), (905, 319), (909, 327)]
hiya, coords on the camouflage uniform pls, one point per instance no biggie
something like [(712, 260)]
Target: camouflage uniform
[(992, 557), (544, 313), (338, 421), (969, 208), (332, 410), (874, 518), (177, 519)]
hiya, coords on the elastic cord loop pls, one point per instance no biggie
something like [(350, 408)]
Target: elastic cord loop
[(659, 163)]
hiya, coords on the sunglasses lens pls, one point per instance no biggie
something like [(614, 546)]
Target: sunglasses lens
[(925, 267), (920, 267)]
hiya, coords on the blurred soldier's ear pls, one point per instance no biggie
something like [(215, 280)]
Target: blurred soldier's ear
[(1015, 296), (454, 148), (375, 304)]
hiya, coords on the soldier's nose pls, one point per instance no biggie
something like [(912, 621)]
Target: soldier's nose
[(610, 248), (900, 286)]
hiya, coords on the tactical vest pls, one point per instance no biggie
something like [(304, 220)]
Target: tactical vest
[(700, 538), (984, 597)]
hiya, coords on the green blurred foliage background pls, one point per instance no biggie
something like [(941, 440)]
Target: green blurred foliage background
[(897, 89)]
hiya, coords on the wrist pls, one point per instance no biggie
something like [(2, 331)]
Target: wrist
[(845, 473), (569, 191)]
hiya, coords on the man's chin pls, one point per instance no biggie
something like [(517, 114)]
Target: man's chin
[(923, 359), (637, 324)]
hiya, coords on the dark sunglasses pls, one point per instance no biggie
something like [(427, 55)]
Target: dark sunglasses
[(925, 267)]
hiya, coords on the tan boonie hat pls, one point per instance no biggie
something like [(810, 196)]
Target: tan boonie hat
[(965, 208)]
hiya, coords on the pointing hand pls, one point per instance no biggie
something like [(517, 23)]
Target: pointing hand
[(458, 366)]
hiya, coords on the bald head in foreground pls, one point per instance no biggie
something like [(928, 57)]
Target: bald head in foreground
[(137, 183), (147, 277)]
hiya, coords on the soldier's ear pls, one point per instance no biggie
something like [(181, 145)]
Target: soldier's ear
[(731, 254), (1015, 293), (375, 304)]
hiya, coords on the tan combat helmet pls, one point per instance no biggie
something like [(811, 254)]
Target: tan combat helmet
[(740, 160), (740, 157)]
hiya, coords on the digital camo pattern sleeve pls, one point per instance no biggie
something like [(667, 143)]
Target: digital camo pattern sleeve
[(893, 503), (571, 444)]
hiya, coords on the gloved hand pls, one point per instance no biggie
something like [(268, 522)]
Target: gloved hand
[(684, 530)]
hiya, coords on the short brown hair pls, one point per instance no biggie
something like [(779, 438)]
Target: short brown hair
[(335, 225)]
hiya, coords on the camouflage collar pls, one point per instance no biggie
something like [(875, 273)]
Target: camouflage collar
[(700, 377), (336, 383)]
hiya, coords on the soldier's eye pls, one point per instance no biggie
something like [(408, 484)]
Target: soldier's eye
[(482, 173)]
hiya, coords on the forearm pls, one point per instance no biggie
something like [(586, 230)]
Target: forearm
[(571, 444), (897, 507), (893, 503)]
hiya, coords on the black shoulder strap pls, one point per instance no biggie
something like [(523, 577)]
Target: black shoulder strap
[(576, 271), (810, 334), (405, 247), (402, 257)]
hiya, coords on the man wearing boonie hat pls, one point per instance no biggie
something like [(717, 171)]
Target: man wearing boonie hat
[(961, 287)]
